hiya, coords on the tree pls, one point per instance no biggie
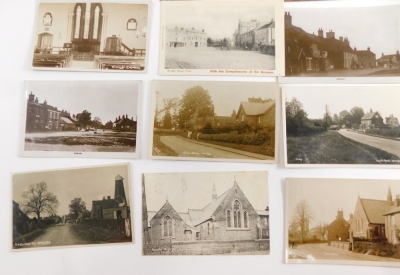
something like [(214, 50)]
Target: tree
[(84, 118), (108, 125), (295, 116), (196, 103), (301, 217), (167, 121), (96, 123), (76, 207), (169, 105), (356, 114), (209, 41), (38, 200), (322, 228)]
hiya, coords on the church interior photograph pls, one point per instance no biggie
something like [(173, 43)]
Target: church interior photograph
[(91, 36)]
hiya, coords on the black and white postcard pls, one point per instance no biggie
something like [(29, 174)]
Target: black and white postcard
[(333, 39), (70, 207), (342, 221), (240, 37), (341, 125), (214, 121), (209, 213), (91, 36), (81, 119)]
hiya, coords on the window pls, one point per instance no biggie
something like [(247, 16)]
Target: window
[(228, 218), (167, 227), (87, 21), (239, 219), (208, 229), (245, 219)]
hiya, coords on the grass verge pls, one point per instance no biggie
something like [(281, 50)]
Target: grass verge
[(262, 149), (332, 148), (95, 234), (160, 149), (27, 238)]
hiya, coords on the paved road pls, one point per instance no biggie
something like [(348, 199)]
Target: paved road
[(325, 252), (59, 235), (389, 145), (193, 150), (214, 58)]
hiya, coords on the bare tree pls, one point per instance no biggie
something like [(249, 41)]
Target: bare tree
[(302, 217), (37, 199), (322, 228)]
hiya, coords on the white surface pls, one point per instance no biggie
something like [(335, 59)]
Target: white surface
[(16, 24)]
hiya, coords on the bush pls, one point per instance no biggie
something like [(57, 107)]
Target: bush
[(395, 132), (259, 138)]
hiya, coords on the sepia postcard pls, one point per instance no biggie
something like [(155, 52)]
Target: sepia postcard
[(342, 221), (71, 207), (352, 125), (91, 36), (81, 119), (214, 121), (332, 39), (209, 213), (244, 37)]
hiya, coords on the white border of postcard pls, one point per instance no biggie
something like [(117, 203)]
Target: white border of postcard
[(352, 4), (276, 6), (133, 60), (102, 92), (320, 198), (320, 99), (221, 90)]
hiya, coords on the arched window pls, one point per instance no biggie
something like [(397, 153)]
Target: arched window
[(208, 229), (168, 227), (235, 224), (245, 219), (228, 218), (239, 219), (87, 21)]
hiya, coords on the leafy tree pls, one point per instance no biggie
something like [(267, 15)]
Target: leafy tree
[(301, 217), (38, 200), (295, 116), (167, 121), (356, 114), (108, 125), (209, 41), (196, 103), (84, 118), (76, 207), (97, 122)]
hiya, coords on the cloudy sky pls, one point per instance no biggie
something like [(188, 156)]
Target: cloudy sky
[(217, 19), (104, 99), (226, 96), (194, 190), (87, 183), (375, 27), (384, 99), (327, 196)]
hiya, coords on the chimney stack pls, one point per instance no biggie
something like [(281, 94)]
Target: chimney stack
[(320, 32), (288, 19)]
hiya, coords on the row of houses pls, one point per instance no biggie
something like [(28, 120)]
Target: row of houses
[(255, 112), (41, 117), (228, 217), (255, 35), (306, 52), (373, 120)]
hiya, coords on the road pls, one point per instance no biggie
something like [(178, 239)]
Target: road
[(58, 235), (366, 72), (214, 58), (389, 145), (325, 252), (189, 149)]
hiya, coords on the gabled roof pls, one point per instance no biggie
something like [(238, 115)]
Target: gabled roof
[(393, 211), (375, 209), (107, 203), (256, 108), (369, 116), (262, 212), (66, 120), (391, 118), (269, 25)]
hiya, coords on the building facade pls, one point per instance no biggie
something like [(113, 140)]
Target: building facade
[(124, 124), (257, 112), (392, 121), (41, 116), (372, 120), (185, 38), (338, 230)]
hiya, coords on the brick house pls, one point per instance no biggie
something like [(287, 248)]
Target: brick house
[(372, 120), (257, 112), (366, 58), (117, 208), (41, 116), (229, 217), (125, 124), (339, 228)]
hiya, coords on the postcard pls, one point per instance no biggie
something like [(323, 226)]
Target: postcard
[(342, 221), (208, 213), (91, 36), (214, 121), (352, 125), (81, 119), (212, 38), (328, 39), (71, 207)]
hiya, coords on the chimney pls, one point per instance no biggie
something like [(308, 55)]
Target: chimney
[(108, 197), (341, 38), (369, 49), (351, 216), (382, 54), (288, 19), (397, 201), (31, 97), (355, 49), (330, 35), (397, 52), (267, 209), (370, 110), (36, 100), (320, 32), (346, 41), (340, 214), (45, 102)]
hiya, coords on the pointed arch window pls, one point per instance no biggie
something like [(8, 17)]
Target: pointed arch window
[(167, 227), (245, 219), (228, 218), (87, 21)]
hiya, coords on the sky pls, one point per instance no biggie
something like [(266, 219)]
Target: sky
[(327, 196), (104, 99), (91, 183), (226, 96), (374, 27), (384, 99), (194, 190), (217, 19)]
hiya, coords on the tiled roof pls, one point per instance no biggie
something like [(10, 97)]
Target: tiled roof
[(393, 211), (66, 120), (368, 116), (256, 108), (107, 203), (375, 209)]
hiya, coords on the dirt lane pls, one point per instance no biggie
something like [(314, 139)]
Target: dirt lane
[(59, 235)]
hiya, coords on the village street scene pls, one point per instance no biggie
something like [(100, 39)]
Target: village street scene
[(71, 207), (203, 120), (337, 41), (81, 116), (213, 35), (206, 213), (360, 123), (342, 220)]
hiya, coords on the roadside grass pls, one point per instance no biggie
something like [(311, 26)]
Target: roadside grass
[(160, 149), (262, 149), (28, 237), (94, 234), (100, 140), (332, 148), (388, 71)]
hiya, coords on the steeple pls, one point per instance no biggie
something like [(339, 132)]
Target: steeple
[(214, 193), (389, 196)]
